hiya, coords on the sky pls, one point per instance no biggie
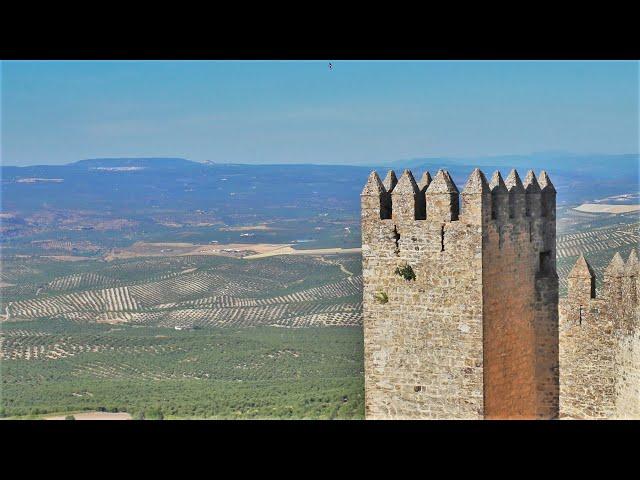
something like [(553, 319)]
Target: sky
[(358, 112)]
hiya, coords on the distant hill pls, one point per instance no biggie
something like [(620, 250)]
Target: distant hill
[(563, 163), (144, 162), (146, 186)]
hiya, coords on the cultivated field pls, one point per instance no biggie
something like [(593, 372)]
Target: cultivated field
[(604, 208), (178, 249), (189, 291), (49, 367), (93, 416), (184, 330)]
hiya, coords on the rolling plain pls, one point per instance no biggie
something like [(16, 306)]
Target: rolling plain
[(170, 296)]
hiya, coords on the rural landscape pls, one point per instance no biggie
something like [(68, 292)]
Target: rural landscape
[(164, 288), (183, 239)]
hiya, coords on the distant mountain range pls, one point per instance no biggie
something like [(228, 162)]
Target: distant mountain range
[(156, 183), (144, 162), (603, 166)]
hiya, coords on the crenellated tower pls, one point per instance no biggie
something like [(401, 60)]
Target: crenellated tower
[(460, 297), (600, 342)]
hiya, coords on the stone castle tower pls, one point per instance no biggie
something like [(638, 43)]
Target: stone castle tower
[(460, 300), (600, 342)]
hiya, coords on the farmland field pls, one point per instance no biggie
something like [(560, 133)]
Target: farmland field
[(168, 337), (188, 291), (201, 336), (151, 372)]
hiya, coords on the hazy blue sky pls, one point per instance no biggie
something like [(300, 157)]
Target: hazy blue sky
[(282, 112)]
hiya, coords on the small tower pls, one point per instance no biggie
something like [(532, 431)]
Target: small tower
[(582, 281), (442, 198)]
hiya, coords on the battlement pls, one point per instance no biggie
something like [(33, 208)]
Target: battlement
[(619, 295), (438, 199), (600, 341), (434, 212), (619, 278)]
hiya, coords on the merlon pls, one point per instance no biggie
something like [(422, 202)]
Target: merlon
[(390, 181), (477, 183), (406, 185), (374, 185), (442, 184), (545, 183), (616, 267), (425, 181), (497, 183), (531, 183), (513, 182), (582, 269)]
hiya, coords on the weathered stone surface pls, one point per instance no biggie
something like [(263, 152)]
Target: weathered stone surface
[(475, 334), (390, 181), (545, 182), (480, 332), (582, 269), (407, 199), (442, 199), (533, 197), (531, 183), (513, 182), (476, 199), (582, 281), (424, 182), (443, 183), (497, 183), (477, 183), (499, 198), (600, 344), (374, 185), (517, 195)]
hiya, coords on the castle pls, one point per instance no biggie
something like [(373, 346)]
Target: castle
[(461, 306)]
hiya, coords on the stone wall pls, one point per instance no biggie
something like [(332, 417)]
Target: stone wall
[(423, 346), (628, 377), (520, 302), (474, 334), (599, 345), (587, 351)]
